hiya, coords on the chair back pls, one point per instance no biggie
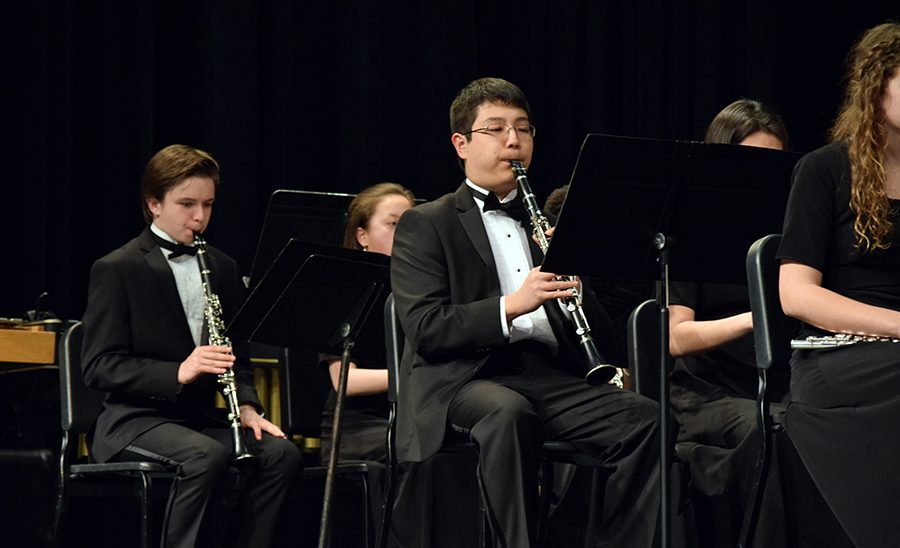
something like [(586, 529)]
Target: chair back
[(643, 348), (79, 404), (772, 330), (393, 345)]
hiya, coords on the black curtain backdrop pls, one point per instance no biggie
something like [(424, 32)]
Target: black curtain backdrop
[(335, 96)]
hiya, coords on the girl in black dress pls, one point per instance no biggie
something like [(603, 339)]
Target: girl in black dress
[(840, 273), (371, 218)]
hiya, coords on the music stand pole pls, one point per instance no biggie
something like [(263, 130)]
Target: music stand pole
[(648, 192), (662, 244), (336, 429), (358, 283)]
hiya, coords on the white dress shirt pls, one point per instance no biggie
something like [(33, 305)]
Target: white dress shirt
[(186, 270), (509, 244)]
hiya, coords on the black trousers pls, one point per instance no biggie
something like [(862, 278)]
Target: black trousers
[(719, 440), (512, 408), (203, 457)]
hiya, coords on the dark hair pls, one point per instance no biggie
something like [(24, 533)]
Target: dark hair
[(743, 118), (169, 167), (464, 108), (362, 208), (555, 200), (491, 90)]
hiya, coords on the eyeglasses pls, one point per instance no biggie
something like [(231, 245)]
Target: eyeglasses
[(501, 131)]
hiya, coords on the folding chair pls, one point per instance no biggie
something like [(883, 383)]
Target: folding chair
[(772, 333), (356, 476), (79, 406)]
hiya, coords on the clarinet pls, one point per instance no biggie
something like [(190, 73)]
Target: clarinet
[(212, 311), (598, 371), (836, 340)]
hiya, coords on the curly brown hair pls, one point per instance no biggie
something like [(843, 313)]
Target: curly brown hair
[(861, 123)]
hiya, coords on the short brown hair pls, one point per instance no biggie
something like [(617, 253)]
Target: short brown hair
[(743, 118), (362, 208), (169, 167)]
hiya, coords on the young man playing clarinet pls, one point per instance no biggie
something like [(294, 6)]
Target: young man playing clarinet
[(145, 346), (489, 351)]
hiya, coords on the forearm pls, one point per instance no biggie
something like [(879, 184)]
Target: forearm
[(830, 311), (360, 382), (692, 337)]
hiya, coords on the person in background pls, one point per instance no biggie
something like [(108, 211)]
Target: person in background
[(750, 123), (372, 217), (714, 387), (618, 297), (714, 379)]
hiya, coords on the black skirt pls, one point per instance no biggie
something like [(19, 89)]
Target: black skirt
[(844, 419)]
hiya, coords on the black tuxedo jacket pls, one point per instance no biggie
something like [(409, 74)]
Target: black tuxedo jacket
[(447, 294), (135, 337)]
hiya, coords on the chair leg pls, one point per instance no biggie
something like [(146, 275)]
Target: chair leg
[(387, 505), (486, 537), (544, 499), (386, 512), (58, 517), (751, 512), (366, 515), (146, 510)]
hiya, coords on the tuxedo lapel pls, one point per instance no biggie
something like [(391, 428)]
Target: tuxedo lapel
[(470, 219), (162, 275)]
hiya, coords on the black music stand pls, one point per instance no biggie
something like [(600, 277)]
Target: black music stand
[(708, 202), (320, 298), (309, 216), (317, 217)]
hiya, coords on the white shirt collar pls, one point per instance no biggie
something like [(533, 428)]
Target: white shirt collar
[(161, 233), (508, 198)]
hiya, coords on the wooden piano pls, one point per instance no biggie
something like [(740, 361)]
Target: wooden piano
[(28, 343), (29, 428)]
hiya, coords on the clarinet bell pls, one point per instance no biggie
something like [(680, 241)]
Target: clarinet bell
[(600, 374)]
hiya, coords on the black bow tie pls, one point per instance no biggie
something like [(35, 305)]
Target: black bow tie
[(514, 208), (177, 249)]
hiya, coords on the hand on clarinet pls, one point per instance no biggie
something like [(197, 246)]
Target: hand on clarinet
[(205, 360), (538, 288), (549, 234)]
